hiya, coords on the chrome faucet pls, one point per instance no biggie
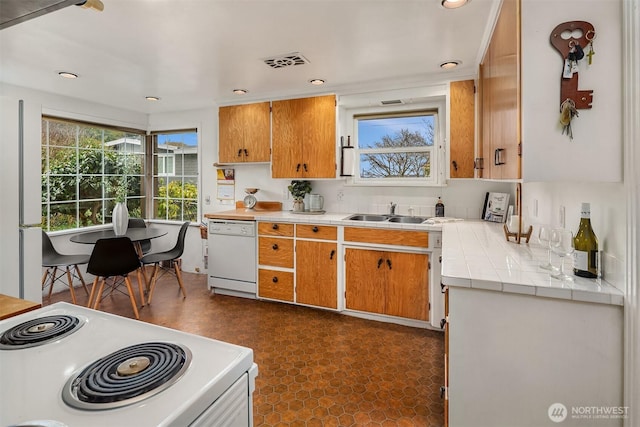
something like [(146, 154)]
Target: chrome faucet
[(392, 208)]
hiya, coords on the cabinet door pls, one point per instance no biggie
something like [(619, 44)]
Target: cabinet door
[(316, 280), (365, 280), (286, 156), (257, 132), (407, 285), (462, 128), (230, 134), (501, 96), (244, 133), (319, 138), (304, 138)]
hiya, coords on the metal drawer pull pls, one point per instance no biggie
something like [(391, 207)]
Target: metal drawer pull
[(379, 262), (442, 323), (389, 263), (274, 226), (275, 246), (443, 389), (275, 279), (314, 229), (298, 168), (246, 153), (239, 152), (333, 252)]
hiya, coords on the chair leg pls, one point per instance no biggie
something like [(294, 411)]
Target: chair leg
[(53, 280), (146, 279), (44, 277), (99, 295), (140, 290), (93, 291), (70, 279), (84, 285), (154, 277), (132, 297), (177, 265)]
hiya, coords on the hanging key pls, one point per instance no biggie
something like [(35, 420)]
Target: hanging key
[(567, 112), (590, 36)]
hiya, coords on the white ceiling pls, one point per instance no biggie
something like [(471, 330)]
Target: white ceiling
[(192, 53)]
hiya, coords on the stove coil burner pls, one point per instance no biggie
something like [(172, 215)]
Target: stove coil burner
[(127, 376), (39, 331)]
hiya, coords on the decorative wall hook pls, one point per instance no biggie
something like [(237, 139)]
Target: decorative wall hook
[(571, 50)]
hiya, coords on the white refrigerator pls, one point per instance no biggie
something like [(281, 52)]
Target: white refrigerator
[(20, 235)]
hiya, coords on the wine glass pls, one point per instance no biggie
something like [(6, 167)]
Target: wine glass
[(561, 241), (544, 238)]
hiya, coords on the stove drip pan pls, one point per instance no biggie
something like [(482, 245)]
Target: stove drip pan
[(39, 331), (127, 376)]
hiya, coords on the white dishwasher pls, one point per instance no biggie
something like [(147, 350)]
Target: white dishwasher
[(232, 258)]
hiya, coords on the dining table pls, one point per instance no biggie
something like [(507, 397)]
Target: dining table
[(136, 235)]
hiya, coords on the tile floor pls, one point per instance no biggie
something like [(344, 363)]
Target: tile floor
[(316, 368)]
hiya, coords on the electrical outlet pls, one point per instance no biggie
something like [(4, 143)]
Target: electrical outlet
[(562, 217), (207, 200), (535, 208), (340, 195)]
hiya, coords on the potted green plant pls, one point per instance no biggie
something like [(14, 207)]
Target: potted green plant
[(298, 190)]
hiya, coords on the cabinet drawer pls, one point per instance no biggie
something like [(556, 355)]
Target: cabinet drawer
[(275, 251), (275, 229), (310, 231), (387, 237), (275, 284)]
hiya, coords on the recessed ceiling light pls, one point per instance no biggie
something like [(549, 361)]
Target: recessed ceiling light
[(316, 82), (448, 65), (240, 91), (454, 4), (152, 98), (67, 75)]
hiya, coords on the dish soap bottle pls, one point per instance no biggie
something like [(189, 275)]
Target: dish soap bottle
[(585, 256), (439, 208)]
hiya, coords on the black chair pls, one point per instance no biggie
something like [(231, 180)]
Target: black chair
[(145, 245), (111, 258), (53, 261), (168, 261)]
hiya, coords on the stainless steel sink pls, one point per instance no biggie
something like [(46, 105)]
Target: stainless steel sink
[(407, 219), (366, 217), (389, 218)]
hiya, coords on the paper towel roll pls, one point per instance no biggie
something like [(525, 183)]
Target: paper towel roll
[(348, 161), (513, 223)]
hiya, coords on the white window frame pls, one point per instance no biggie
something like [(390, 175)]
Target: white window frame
[(437, 159), (165, 157)]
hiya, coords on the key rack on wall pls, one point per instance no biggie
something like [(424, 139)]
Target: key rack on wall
[(569, 86)]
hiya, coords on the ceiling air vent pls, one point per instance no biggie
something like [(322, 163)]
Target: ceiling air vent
[(287, 60), (392, 102)]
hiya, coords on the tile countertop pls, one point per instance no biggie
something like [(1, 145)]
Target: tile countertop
[(331, 218), (475, 254)]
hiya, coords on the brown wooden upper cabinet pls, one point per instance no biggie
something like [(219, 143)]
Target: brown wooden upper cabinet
[(304, 138), (499, 98), (244, 133), (462, 128)]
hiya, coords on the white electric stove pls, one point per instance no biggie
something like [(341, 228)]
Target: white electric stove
[(66, 365)]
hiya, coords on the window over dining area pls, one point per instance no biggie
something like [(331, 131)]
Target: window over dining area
[(83, 166)]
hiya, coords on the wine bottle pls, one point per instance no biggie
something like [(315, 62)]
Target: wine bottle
[(585, 256), (439, 208)]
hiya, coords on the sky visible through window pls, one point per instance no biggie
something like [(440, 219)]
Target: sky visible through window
[(188, 138), (371, 131)]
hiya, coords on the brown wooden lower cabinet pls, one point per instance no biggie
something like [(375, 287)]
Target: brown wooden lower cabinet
[(446, 357), (275, 284), (316, 273), (387, 282)]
